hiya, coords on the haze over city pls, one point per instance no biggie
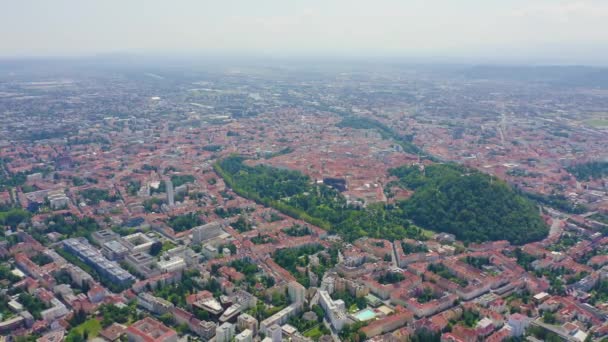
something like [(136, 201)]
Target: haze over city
[(304, 171), (516, 31)]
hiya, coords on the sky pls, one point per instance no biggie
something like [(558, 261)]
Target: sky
[(549, 31)]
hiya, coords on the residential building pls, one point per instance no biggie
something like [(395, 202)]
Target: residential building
[(246, 321), (275, 333), (207, 231), (244, 336), (150, 330), (224, 332), (335, 311), (91, 256)]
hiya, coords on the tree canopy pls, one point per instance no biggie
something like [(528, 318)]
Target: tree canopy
[(13, 217), (94, 196), (448, 198), (590, 170), (184, 222), (296, 195), (178, 180), (469, 204)]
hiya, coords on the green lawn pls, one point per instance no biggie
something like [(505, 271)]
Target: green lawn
[(92, 326), (167, 245), (425, 232), (314, 333)]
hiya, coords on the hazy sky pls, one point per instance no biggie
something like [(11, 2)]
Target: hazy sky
[(570, 31)]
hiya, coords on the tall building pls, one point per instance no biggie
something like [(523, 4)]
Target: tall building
[(170, 193), (206, 329), (297, 292), (58, 200), (518, 323), (207, 231), (224, 332), (246, 321), (245, 336), (275, 333), (334, 310)]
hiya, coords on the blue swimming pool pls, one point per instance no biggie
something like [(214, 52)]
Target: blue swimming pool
[(365, 315)]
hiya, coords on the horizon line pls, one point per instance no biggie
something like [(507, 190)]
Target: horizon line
[(357, 58)]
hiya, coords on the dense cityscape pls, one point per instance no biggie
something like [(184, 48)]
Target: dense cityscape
[(292, 202)]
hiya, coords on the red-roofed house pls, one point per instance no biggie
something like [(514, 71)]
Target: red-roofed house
[(388, 324), (150, 330)]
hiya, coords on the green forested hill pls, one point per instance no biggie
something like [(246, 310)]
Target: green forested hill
[(469, 204)]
